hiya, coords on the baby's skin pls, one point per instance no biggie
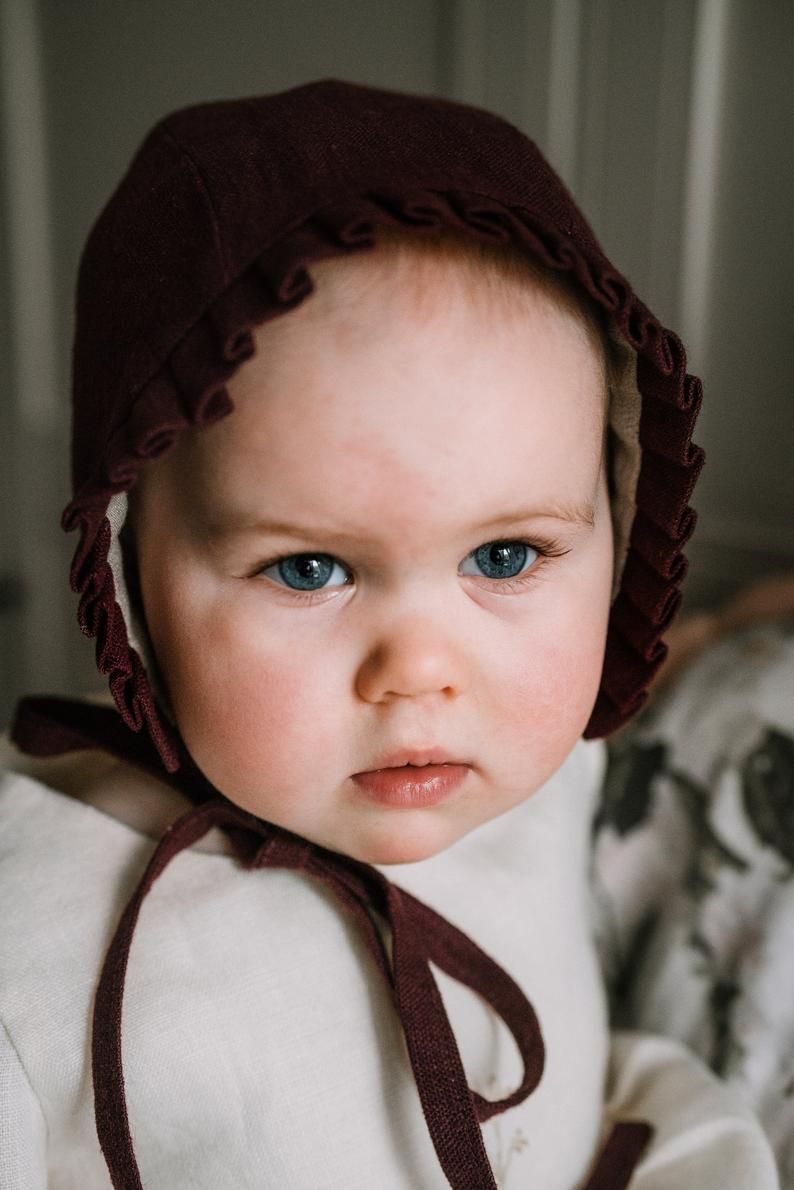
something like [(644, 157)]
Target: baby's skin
[(396, 550)]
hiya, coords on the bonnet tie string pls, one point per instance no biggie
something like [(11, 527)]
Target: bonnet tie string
[(453, 1112), (451, 1109)]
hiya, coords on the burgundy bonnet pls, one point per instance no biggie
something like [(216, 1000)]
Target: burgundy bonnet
[(213, 230)]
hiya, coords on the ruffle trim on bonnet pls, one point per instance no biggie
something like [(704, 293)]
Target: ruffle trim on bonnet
[(188, 389)]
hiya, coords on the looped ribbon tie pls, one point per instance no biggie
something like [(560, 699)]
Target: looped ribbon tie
[(419, 937)]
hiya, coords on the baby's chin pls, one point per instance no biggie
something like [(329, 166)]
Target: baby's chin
[(409, 838), (375, 836)]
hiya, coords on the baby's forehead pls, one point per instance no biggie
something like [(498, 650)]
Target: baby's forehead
[(498, 279), (364, 323), (414, 283), (372, 314), (389, 381)]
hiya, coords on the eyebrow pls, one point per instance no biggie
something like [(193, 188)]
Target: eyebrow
[(576, 514)]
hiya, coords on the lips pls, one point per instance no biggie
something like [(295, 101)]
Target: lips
[(411, 779)]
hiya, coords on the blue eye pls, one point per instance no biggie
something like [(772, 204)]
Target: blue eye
[(501, 559), (306, 572)]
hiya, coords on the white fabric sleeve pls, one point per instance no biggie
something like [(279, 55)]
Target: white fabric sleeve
[(23, 1131), (705, 1135)]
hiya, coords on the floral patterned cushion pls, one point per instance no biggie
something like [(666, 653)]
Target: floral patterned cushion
[(693, 871)]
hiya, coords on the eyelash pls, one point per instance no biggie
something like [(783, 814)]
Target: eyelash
[(545, 549)]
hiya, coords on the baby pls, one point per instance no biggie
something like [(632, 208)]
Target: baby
[(371, 536)]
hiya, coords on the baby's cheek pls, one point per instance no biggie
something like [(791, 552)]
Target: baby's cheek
[(550, 696), (273, 715), (255, 714)]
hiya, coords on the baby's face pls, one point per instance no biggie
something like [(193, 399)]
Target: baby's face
[(397, 547)]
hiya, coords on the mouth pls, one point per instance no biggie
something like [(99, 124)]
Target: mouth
[(412, 780), (415, 758)]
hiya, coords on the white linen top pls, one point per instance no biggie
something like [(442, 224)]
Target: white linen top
[(260, 1045)]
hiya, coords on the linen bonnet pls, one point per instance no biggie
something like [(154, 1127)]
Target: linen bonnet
[(214, 229)]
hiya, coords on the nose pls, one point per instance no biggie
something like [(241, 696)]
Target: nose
[(410, 660)]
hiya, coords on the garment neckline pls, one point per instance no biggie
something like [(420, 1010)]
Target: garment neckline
[(218, 846)]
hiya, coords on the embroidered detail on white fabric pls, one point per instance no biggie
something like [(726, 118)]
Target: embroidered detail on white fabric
[(506, 1142)]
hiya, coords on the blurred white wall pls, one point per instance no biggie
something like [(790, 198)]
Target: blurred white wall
[(672, 122)]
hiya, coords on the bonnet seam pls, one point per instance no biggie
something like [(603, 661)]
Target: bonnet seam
[(202, 183)]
